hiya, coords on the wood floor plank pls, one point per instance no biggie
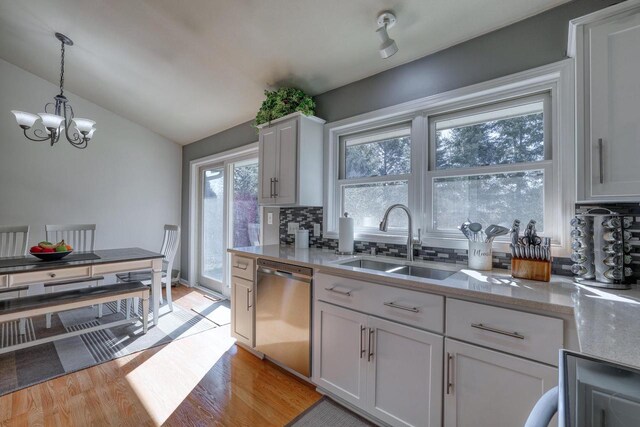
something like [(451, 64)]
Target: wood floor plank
[(201, 380)]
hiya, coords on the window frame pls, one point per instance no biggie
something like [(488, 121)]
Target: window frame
[(546, 165), (560, 192)]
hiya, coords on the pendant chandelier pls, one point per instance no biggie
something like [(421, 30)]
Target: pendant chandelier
[(58, 117)]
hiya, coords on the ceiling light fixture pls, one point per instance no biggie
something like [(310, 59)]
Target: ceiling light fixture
[(58, 116), (388, 47)]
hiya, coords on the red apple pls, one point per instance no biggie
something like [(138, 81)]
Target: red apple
[(35, 249), (48, 250)]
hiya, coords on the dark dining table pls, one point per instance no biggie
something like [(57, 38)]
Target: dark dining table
[(20, 271)]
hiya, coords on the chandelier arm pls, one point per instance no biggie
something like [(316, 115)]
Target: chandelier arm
[(67, 122), (35, 138)]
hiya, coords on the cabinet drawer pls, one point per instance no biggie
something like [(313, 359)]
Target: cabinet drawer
[(243, 267), (414, 308), (530, 335), (51, 275)]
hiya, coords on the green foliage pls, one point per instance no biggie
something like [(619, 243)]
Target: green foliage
[(284, 101)]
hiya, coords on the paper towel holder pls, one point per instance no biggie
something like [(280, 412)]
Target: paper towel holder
[(338, 251)]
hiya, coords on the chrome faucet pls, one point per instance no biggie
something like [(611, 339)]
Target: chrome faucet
[(384, 226)]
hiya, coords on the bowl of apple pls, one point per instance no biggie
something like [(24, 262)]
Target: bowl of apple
[(48, 251)]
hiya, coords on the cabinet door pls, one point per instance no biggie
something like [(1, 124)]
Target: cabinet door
[(404, 380), (287, 163), (268, 162), (614, 102), (339, 352), (242, 314), (487, 388)]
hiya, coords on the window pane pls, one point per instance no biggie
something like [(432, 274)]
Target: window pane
[(489, 199), (505, 136), (366, 203), (386, 153), (212, 224), (246, 216)]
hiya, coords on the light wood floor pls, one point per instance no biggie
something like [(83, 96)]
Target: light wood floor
[(202, 380)]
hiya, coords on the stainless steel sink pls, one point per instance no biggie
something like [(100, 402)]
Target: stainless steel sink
[(409, 270)]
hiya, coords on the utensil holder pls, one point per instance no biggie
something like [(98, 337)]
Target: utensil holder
[(531, 269), (480, 256)]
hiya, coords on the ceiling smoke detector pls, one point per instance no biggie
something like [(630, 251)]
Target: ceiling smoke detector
[(388, 46)]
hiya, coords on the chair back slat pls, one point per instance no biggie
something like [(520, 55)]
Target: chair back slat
[(14, 240), (80, 236), (170, 242)]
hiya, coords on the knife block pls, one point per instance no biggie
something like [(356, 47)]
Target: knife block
[(531, 269)]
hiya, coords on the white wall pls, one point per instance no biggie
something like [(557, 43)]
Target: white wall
[(128, 181)]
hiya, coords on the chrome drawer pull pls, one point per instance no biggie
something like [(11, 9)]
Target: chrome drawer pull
[(362, 351), (497, 331), (334, 290), (449, 374), (370, 355), (601, 150), (242, 266), (402, 307)]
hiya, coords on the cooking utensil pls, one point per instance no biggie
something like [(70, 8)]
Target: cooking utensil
[(494, 231), (475, 228)]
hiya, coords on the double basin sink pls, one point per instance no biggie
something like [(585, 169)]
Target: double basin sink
[(389, 267)]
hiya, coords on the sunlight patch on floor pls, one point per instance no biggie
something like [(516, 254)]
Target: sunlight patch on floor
[(163, 381)]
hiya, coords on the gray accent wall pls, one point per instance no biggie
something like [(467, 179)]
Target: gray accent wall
[(533, 42)]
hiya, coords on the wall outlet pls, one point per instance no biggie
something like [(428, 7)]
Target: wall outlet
[(292, 227), (316, 230), (270, 218)]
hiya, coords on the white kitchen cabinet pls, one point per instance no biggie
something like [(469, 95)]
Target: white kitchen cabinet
[(291, 161), (606, 45), (339, 352), (242, 310), (392, 371), (404, 375), (487, 388)]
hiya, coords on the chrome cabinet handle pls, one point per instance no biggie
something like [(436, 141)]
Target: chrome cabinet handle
[(275, 187), (362, 329), (370, 355), (52, 275), (271, 188), (242, 266), (449, 374), (601, 150), (497, 331), (402, 307), (249, 299), (334, 290)]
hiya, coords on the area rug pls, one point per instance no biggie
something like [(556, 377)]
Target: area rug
[(22, 368), (219, 312), (326, 412)]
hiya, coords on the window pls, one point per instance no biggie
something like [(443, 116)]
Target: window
[(489, 164), (492, 152), (374, 173)]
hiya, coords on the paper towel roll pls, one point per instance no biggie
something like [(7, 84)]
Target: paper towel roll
[(345, 234)]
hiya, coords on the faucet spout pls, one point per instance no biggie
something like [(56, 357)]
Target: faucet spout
[(384, 226)]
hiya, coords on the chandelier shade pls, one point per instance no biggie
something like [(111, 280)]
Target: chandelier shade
[(58, 115)]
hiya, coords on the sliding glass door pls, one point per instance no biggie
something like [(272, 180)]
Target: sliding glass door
[(229, 217)]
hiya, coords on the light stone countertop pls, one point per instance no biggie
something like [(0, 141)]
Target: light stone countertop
[(606, 320)]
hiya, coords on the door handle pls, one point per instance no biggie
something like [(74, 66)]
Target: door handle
[(402, 307), (271, 188), (334, 290), (497, 331), (370, 355), (275, 187), (601, 151), (449, 374), (248, 299), (362, 351)]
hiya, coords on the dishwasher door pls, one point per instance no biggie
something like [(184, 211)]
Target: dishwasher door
[(283, 314)]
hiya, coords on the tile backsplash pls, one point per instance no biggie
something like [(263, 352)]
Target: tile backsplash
[(306, 217)]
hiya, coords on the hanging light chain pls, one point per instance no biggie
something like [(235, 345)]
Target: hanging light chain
[(62, 69)]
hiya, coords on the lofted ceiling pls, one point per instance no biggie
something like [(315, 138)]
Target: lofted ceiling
[(188, 69)]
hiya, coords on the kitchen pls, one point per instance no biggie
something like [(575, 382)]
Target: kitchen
[(444, 235)]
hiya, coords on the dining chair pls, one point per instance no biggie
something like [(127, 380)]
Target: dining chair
[(81, 237), (169, 248), (13, 242)]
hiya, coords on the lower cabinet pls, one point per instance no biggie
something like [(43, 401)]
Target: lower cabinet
[(487, 388), (242, 314), (392, 371)]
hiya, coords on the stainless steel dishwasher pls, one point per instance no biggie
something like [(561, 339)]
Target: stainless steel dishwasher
[(283, 314)]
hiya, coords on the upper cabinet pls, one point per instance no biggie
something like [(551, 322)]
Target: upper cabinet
[(606, 45), (291, 161)]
